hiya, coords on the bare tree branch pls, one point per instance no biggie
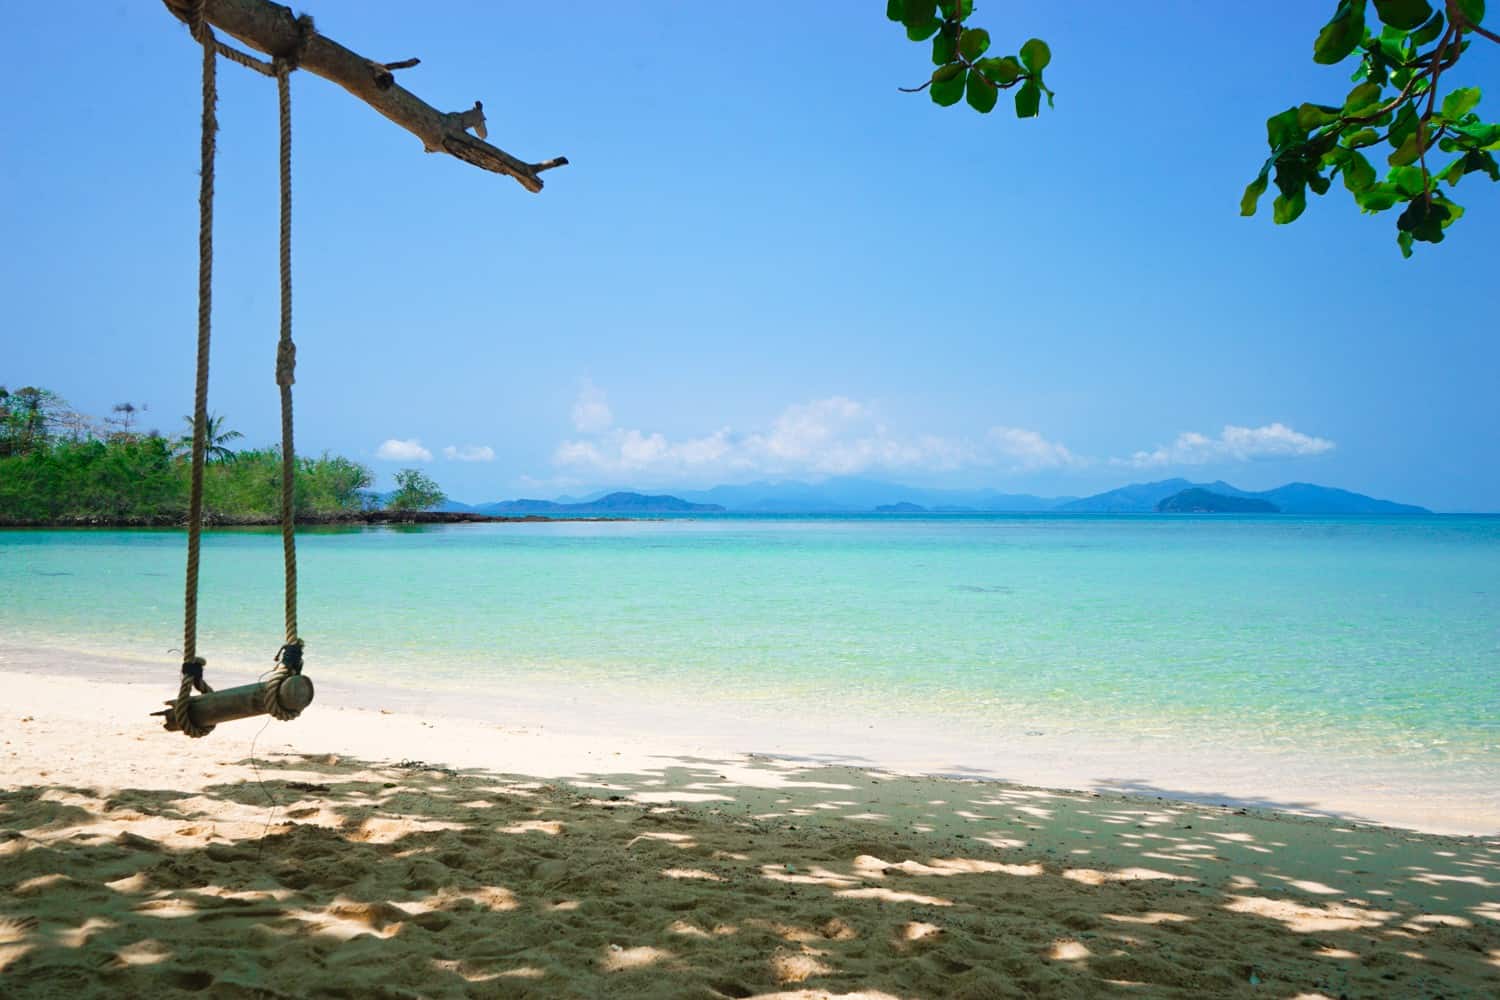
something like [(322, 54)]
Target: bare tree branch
[(272, 29)]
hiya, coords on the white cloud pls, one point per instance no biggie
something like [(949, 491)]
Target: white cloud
[(833, 436), (1028, 450), (839, 436), (1234, 444), (397, 450), (469, 453), (591, 413)]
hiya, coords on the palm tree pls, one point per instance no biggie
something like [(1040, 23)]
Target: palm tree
[(215, 437), (124, 418)]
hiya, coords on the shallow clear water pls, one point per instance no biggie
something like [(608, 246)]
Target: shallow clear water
[(1365, 637)]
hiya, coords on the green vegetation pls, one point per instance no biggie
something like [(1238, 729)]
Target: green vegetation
[(56, 466), (415, 491), (964, 70), (1403, 48)]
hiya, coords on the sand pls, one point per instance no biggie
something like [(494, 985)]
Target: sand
[(364, 853)]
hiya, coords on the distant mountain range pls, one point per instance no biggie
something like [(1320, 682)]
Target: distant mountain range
[(1293, 498), (611, 503), (618, 504), (852, 495)]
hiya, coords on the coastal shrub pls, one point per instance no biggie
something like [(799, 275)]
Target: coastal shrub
[(415, 491), (249, 488)]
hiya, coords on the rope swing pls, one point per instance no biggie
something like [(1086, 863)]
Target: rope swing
[(285, 691), (272, 29)]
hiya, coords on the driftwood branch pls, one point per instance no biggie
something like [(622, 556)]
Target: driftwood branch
[(273, 29)]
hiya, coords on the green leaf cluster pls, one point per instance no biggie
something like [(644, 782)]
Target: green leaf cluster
[(1403, 56), (1403, 46), (965, 69)]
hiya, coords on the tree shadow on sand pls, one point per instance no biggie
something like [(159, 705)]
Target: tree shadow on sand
[(708, 878)]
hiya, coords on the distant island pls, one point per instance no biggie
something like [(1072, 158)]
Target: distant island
[(854, 495), (1293, 498), (611, 503), (1200, 501)]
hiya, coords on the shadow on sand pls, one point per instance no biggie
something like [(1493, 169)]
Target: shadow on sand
[(791, 878)]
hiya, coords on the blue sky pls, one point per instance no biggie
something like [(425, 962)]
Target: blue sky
[(764, 261)]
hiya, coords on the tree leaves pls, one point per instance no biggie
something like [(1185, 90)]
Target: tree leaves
[(948, 84), (1341, 35), (1403, 14), (1000, 71), (1473, 10), (945, 45), (1035, 55), (1311, 116), (1287, 208), (1428, 33), (1425, 220), (922, 30), (1028, 100), (919, 17), (963, 68), (1363, 97), (973, 43), (981, 94), (1359, 175), (1253, 191), (1460, 102), (1282, 129), (1391, 102), (1401, 56)]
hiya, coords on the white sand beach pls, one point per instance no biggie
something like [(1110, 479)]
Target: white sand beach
[(361, 852)]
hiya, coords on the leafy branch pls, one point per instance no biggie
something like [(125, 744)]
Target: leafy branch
[(958, 52), (1311, 144)]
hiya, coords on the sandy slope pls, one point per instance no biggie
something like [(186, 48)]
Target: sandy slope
[(137, 863)]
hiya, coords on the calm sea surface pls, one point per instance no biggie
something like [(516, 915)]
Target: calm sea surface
[(1371, 637)]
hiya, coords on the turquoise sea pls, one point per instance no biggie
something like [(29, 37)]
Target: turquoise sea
[(1366, 638)]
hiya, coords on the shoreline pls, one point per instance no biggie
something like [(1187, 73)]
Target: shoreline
[(318, 520), (1056, 756), (386, 852)]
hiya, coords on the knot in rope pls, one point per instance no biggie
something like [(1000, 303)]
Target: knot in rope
[(192, 680), (289, 61), (192, 670), (290, 656), (288, 665), (286, 362)]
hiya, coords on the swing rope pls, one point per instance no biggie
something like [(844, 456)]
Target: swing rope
[(192, 663), (289, 657)]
